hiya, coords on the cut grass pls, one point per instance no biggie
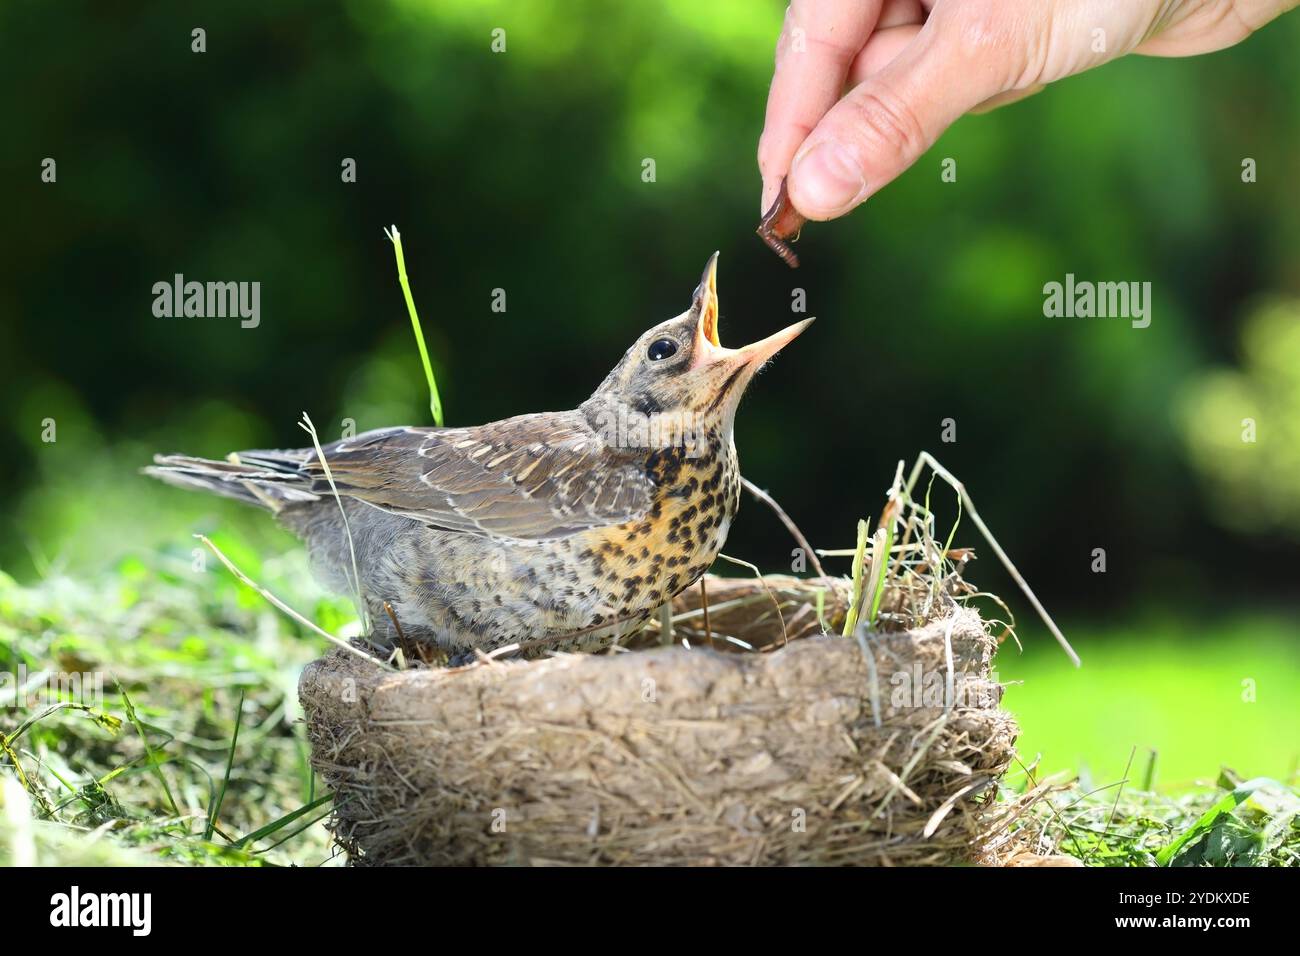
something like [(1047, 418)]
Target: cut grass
[(213, 768), (1231, 823)]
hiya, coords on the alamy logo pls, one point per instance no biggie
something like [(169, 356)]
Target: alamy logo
[(75, 908), (625, 427), (18, 688), (208, 300), (1102, 300)]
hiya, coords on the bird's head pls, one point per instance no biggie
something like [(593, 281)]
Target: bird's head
[(680, 370)]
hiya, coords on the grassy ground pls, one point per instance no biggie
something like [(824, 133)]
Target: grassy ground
[(183, 743), (1231, 822), (1135, 730), (153, 771), (1193, 692)]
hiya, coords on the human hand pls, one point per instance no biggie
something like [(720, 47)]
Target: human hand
[(913, 67)]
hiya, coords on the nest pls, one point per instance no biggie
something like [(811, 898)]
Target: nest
[(777, 745)]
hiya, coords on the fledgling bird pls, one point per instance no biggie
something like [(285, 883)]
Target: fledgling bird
[(559, 530)]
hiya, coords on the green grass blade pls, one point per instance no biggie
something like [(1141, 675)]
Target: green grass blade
[(281, 823), (1149, 776), (150, 758), (230, 766), (884, 541), (855, 601), (435, 403), (293, 833)]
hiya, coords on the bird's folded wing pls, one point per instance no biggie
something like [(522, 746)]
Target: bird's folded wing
[(531, 477)]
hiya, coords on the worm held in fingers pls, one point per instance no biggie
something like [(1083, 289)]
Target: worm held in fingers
[(780, 226)]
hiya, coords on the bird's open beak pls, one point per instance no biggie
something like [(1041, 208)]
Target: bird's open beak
[(706, 304), (708, 347), (762, 350)]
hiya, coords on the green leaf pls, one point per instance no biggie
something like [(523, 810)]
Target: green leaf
[(1208, 819)]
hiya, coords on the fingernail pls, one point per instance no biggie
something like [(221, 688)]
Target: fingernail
[(826, 180), (770, 188)]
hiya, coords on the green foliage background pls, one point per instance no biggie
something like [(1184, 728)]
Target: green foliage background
[(522, 171)]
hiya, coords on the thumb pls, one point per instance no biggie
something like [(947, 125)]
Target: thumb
[(884, 124)]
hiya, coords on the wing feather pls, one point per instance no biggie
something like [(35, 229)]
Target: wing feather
[(531, 477)]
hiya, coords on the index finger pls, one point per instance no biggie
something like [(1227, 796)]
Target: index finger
[(818, 43)]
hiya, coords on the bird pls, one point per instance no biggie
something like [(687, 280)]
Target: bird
[(558, 531)]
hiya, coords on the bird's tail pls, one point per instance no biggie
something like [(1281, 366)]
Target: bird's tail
[(269, 479)]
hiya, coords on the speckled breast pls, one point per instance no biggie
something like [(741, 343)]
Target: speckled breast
[(640, 564)]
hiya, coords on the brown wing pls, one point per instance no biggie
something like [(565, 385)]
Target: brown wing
[(532, 477)]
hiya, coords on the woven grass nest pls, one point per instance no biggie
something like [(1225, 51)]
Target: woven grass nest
[(805, 747)]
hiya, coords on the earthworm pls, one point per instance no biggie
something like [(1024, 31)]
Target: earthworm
[(780, 226)]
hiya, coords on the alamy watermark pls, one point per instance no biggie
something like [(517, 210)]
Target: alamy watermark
[(133, 911), (19, 688), (1102, 300), (208, 300), (917, 687), (624, 427)]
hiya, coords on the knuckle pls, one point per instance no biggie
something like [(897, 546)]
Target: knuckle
[(984, 30), (993, 40), (984, 27), (885, 120)]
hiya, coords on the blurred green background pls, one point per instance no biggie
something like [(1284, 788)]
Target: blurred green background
[(522, 171)]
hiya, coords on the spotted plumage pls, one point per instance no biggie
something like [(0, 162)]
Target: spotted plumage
[(558, 530)]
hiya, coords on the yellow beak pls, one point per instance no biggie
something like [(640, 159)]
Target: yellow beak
[(762, 350), (708, 347), (706, 301)]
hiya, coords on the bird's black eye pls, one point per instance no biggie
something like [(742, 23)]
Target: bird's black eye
[(662, 349)]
